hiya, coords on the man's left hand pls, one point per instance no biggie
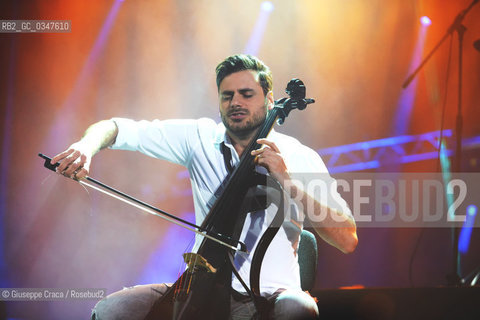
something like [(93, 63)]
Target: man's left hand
[(269, 156)]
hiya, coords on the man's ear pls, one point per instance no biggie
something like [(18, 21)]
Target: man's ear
[(269, 100)]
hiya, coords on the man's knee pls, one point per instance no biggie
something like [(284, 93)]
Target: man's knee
[(130, 303), (292, 304)]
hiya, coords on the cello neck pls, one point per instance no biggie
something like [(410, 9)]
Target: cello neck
[(246, 159)]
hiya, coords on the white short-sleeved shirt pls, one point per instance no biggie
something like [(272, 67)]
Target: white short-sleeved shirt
[(195, 144)]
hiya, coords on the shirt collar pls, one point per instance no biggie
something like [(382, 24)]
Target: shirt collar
[(221, 135)]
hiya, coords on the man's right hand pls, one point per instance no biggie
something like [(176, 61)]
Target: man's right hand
[(74, 162)]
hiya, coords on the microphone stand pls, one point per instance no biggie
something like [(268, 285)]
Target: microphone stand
[(454, 278)]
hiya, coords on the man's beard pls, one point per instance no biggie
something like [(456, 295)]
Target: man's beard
[(243, 128)]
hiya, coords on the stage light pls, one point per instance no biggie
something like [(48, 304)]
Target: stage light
[(267, 6), (255, 40), (406, 100), (425, 21), (61, 127), (472, 210), (466, 232)]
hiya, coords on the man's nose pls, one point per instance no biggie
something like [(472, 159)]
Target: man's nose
[(236, 100)]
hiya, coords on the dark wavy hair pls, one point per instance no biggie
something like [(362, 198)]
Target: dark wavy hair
[(240, 62)]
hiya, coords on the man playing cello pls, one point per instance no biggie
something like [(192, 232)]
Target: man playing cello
[(208, 150)]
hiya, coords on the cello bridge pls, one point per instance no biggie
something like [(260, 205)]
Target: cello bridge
[(195, 262)]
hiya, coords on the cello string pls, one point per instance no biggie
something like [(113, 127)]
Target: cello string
[(182, 269)]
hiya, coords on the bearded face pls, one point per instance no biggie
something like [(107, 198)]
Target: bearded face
[(242, 121), (243, 105)]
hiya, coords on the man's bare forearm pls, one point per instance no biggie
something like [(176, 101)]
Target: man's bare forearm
[(100, 135), (335, 227), (75, 161)]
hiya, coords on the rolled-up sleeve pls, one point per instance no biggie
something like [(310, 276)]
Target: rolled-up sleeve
[(312, 172)]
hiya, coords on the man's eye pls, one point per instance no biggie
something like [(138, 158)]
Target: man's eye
[(226, 98), (247, 95)]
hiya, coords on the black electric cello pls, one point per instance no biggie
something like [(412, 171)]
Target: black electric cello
[(204, 288)]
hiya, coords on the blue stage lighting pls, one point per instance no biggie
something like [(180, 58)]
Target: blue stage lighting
[(466, 232)]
